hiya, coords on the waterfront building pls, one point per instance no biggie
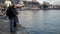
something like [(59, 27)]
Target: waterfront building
[(34, 0)]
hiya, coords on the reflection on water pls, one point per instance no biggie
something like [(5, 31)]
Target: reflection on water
[(41, 21)]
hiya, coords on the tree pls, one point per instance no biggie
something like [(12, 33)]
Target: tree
[(45, 4)]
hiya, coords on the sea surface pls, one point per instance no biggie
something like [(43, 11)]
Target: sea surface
[(40, 21)]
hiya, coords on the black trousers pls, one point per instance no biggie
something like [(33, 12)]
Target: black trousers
[(16, 21)]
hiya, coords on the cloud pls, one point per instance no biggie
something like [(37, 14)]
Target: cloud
[(51, 1)]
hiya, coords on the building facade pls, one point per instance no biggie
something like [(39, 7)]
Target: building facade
[(34, 0), (2, 1), (15, 1)]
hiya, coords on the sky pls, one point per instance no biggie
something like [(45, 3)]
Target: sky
[(50, 1)]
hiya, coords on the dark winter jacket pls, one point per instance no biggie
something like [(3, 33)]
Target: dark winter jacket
[(11, 12)]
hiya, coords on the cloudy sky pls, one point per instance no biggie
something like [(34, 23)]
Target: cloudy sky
[(51, 1)]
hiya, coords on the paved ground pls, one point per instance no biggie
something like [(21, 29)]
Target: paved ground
[(5, 29)]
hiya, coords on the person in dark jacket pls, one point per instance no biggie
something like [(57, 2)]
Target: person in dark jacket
[(12, 15)]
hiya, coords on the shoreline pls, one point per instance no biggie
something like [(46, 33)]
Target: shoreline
[(36, 9)]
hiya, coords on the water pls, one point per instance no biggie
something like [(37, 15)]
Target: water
[(40, 21)]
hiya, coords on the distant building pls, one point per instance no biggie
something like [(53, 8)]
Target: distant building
[(2, 1), (15, 1), (34, 0), (22, 1)]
